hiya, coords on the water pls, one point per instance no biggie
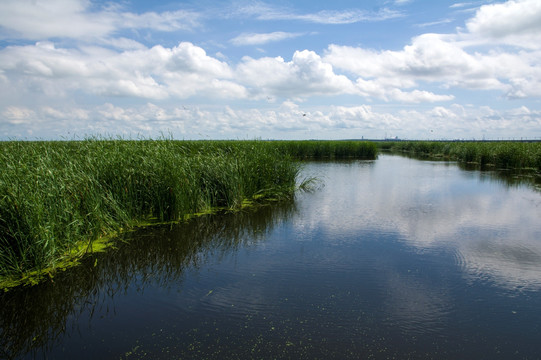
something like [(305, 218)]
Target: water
[(394, 258)]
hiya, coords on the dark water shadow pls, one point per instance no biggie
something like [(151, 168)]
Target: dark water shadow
[(33, 320)]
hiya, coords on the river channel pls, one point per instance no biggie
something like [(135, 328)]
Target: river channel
[(392, 258)]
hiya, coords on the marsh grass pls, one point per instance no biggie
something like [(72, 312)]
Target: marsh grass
[(504, 155), (328, 149), (59, 197), (62, 199)]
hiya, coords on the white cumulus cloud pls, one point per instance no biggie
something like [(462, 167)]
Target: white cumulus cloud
[(444, 60), (156, 73), (306, 74), (515, 22)]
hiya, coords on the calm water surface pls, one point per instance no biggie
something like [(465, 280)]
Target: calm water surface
[(394, 258)]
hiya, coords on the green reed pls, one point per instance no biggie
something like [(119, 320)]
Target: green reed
[(55, 196), (501, 154), (58, 197), (331, 149)]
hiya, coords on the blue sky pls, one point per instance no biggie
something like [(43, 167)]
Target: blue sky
[(272, 70)]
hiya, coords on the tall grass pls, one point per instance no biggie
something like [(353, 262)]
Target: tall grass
[(55, 196), (331, 149), (519, 155)]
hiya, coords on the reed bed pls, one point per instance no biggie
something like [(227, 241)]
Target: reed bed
[(58, 198), (505, 155), (328, 149)]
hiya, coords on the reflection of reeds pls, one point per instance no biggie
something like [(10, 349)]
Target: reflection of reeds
[(32, 319), (56, 196), (501, 154)]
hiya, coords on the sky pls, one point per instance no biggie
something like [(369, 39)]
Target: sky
[(250, 69)]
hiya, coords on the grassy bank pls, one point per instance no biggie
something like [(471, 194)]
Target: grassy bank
[(518, 155), (59, 198)]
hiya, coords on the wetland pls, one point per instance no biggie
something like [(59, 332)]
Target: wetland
[(393, 257)]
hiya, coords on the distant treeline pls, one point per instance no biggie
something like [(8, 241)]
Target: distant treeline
[(501, 154), (58, 197)]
